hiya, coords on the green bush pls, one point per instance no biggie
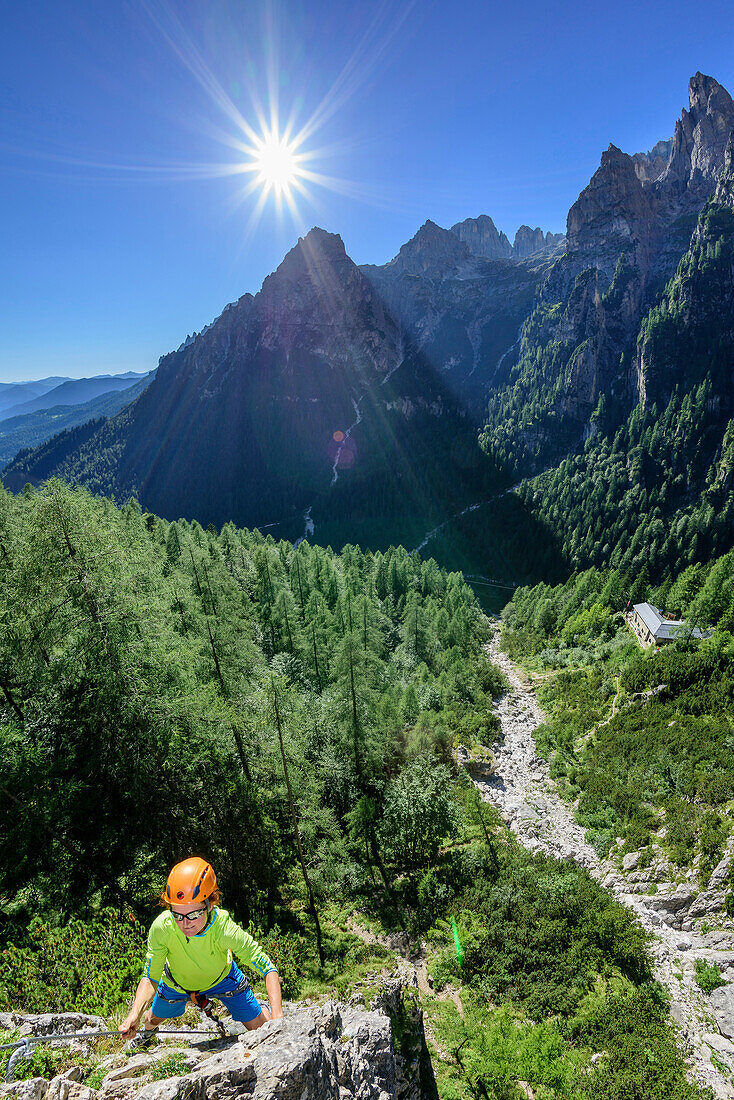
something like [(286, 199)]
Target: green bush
[(708, 976), (541, 933), (642, 1062), (287, 951), (85, 966), (175, 1065)]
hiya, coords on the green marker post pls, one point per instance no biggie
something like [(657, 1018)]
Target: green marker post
[(457, 943)]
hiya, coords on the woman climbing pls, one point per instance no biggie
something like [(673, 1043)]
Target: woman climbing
[(190, 956)]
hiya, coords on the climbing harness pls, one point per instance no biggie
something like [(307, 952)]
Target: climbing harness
[(22, 1048), (200, 1000)]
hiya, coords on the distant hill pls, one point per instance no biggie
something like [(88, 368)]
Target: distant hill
[(72, 391), (15, 393), (32, 429)]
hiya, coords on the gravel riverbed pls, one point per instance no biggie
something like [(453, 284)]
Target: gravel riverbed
[(521, 788)]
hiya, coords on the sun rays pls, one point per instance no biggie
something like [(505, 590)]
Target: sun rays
[(288, 169), (260, 111)]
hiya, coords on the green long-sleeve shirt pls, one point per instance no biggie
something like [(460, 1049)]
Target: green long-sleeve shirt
[(200, 962)]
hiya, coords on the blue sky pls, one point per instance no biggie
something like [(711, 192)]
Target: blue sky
[(121, 233)]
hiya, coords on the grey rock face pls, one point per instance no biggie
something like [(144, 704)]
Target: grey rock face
[(483, 238), (64, 1088), (460, 310), (45, 1023), (722, 1003), (613, 214), (431, 249), (699, 141), (718, 1043), (651, 165), (527, 241), (32, 1089), (331, 1053)]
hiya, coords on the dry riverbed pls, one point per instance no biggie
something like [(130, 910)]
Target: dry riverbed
[(521, 788)]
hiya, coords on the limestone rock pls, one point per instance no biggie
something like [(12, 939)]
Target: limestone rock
[(672, 904), (65, 1088), (718, 1042), (721, 870), (719, 941), (59, 1087), (700, 138), (482, 238), (722, 1004), (431, 249), (120, 1081), (332, 1052), (46, 1023), (527, 241), (32, 1089), (651, 165), (613, 214)]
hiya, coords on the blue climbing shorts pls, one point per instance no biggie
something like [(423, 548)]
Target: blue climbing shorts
[(243, 1005)]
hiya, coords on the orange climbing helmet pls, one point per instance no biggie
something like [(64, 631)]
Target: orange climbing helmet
[(191, 880)]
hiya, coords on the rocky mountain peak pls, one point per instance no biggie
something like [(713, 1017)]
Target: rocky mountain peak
[(651, 165), (701, 89), (317, 283), (431, 249), (483, 238), (613, 212), (309, 254), (485, 241), (527, 241), (699, 141)]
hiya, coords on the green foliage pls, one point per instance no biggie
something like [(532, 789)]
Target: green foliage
[(641, 1060), (541, 933), (175, 1065), (85, 965), (420, 811), (45, 1061), (288, 951), (137, 677), (708, 976), (555, 973), (491, 1050), (137, 670)]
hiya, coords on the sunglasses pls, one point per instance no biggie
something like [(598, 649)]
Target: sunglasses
[(181, 917)]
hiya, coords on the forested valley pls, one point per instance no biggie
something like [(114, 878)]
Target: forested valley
[(293, 714)]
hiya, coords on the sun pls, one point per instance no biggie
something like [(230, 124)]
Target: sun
[(277, 163)]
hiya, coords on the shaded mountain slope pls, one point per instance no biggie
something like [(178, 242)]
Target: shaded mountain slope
[(258, 418), (462, 311), (15, 393)]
